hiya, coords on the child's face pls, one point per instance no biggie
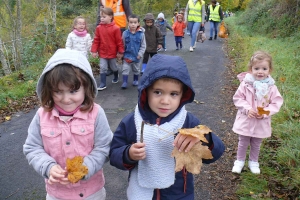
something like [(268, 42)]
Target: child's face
[(106, 19), (67, 98), (164, 97), (179, 18), (149, 22), (160, 19), (261, 70), (133, 23), (80, 25)]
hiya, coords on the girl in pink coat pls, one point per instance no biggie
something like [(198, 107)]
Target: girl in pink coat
[(257, 89)]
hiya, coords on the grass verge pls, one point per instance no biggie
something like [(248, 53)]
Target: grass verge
[(280, 154)]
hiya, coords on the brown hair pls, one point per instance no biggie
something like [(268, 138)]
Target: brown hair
[(76, 20), (259, 56), (70, 76), (108, 11)]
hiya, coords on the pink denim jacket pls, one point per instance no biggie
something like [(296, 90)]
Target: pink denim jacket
[(86, 134), (244, 99)]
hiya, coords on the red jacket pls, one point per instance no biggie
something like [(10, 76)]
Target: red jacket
[(107, 41), (178, 27)]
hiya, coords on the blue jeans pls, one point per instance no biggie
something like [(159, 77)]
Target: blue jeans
[(213, 26), (193, 28)]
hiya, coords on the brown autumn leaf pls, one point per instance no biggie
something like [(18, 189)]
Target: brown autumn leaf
[(261, 111), (191, 160), (198, 132), (76, 170)]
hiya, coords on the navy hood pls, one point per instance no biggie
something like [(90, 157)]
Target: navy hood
[(164, 66)]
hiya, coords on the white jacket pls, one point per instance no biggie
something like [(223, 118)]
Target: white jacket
[(82, 44)]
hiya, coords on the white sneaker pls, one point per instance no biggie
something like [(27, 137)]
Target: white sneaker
[(254, 167), (191, 49), (194, 46), (238, 166)]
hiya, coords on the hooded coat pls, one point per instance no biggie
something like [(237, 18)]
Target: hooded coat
[(85, 134), (178, 27), (152, 34), (107, 41), (125, 135), (245, 99), (162, 25)]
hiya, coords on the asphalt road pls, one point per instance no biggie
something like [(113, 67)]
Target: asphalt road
[(206, 66)]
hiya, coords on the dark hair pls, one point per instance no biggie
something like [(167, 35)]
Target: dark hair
[(70, 76), (108, 11), (134, 16)]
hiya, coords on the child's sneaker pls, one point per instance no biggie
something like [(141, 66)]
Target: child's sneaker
[(191, 49), (254, 167), (165, 49), (238, 166), (177, 48)]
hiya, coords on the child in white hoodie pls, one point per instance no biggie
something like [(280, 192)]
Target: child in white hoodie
[(163, 25)]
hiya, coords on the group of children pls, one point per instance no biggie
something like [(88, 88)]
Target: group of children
[(134, 47), (70, 124)]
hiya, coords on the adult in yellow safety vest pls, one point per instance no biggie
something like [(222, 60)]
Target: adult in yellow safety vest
[(214, 16), (194, 17), (121, 9)]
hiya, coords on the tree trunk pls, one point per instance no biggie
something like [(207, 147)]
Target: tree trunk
[(13, 36), (5, 66), (53, 13), (18, 35)]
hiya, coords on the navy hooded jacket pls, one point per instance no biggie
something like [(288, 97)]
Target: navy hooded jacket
[(158, 67)]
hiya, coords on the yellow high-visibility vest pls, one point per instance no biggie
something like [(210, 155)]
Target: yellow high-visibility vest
[(118, 9), (214, 13), (195, 11)]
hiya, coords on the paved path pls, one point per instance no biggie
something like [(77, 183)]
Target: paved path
[(206, 65)]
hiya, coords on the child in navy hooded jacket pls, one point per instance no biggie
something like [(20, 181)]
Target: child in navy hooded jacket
[(164, 90)]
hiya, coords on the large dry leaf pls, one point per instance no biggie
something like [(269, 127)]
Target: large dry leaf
[(197, 132), (191, 160), (76, 170)]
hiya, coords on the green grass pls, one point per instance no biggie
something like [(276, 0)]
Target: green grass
[(280, 154)]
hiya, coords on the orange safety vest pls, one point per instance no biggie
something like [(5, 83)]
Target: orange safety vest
[(118, 9)]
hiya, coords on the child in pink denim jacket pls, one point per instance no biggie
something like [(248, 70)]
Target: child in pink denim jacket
[(257, 89), (68, 124)]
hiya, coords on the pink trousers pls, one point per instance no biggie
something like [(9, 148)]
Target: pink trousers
[(244, 142)]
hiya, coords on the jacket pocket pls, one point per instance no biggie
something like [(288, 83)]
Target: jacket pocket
[(51, 138), (84, 138)]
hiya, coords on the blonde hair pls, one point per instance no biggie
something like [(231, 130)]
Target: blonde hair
[(76, 20), (259, 56)]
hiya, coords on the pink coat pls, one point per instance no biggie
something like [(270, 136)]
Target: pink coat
[(244, 99)]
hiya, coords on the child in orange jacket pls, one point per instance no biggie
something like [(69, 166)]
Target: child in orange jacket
[(178, 29)]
